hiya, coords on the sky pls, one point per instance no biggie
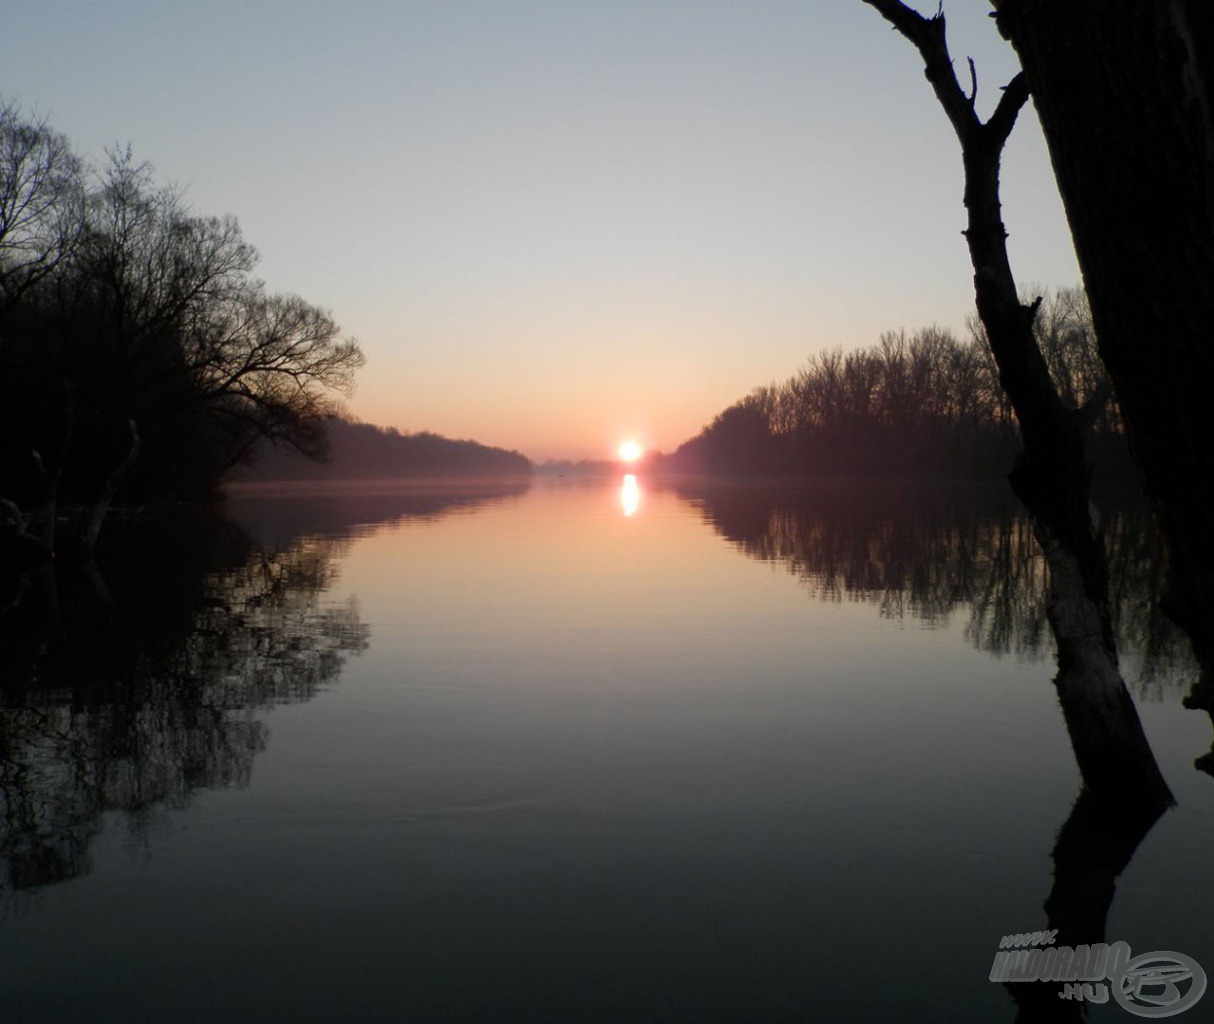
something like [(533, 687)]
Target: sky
[(556, 225)]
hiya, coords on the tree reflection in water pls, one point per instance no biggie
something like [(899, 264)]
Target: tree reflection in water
[(128, 685), (935, 552), (132, 698), (930, 553)]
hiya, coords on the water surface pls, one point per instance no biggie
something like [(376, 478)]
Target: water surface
[(564, 752)]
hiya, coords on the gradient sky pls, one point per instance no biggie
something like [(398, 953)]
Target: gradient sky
[(552, 225)]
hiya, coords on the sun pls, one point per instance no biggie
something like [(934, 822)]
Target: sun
[(630, 451)]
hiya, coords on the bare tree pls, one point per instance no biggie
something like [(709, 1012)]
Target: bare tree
[(148, 265), (1052, 473), (182, 329), (41, 202), (137, 350), (268, 370)]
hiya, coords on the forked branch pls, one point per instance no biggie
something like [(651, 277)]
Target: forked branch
[(929, 38)]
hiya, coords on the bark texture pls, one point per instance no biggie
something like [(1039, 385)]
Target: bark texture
[(1124, 90)]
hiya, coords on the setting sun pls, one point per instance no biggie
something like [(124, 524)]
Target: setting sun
[(630, 451)]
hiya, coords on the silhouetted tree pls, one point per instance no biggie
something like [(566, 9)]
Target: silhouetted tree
[(913, 405), (1052, 473), (41, 202), (147, 315), (1125, 93), (148, 682), (149, 690), (739, 440), (1066, 336)]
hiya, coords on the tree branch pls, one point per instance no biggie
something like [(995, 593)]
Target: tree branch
[(928, 37), (909, 22), (1003, 120)]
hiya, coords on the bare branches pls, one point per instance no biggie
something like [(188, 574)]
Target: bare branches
[(275, 344), (177, 289), (1023, 371), (1052, 472), (929, 38), (154, 315), (148, 259), (41, 202)]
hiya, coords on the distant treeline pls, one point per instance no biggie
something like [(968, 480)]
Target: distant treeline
[(361, 451), (924, 404), (138, 353)]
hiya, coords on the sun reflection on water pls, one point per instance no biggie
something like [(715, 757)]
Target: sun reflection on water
[(630, 495)]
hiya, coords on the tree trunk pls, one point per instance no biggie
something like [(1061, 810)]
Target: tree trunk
[(1052, 474), (1124, 90)]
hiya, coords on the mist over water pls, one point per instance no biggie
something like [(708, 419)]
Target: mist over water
[(567, 751)]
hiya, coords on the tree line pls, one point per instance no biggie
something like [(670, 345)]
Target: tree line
[(137, 348), (363, 451), (914, 404)]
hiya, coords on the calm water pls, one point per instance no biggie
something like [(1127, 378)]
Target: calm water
[(563, 753)]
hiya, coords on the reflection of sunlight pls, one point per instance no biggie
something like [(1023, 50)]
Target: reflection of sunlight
[(630, 495)]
